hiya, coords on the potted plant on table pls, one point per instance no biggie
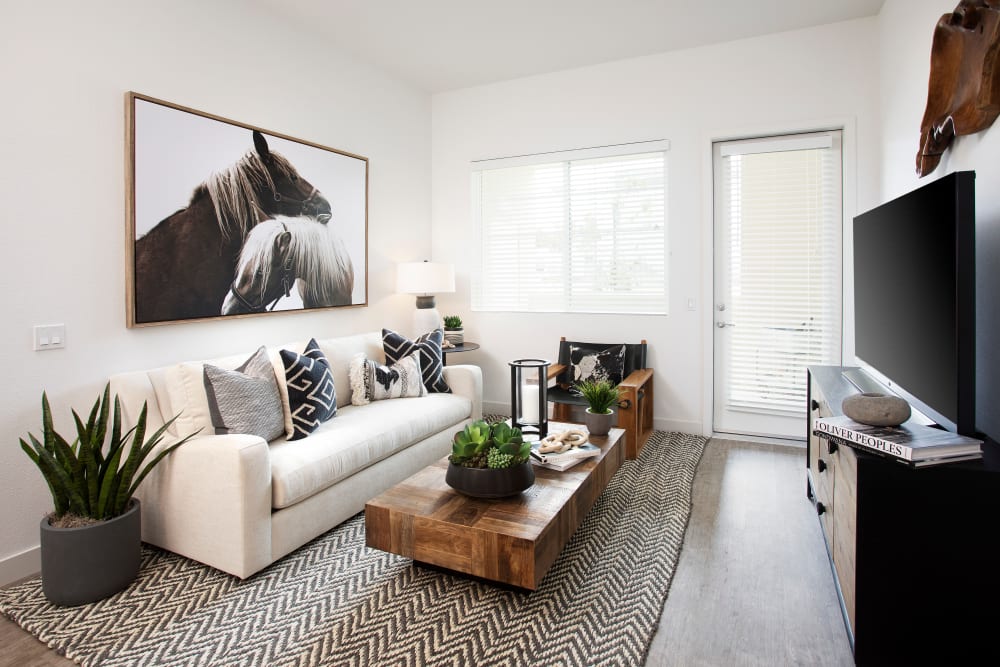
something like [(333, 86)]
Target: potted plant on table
[(91, 542), (453, 331), (490, 461), (601, 397)]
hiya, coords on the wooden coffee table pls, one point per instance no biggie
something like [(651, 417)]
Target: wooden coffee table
[(513, 540)]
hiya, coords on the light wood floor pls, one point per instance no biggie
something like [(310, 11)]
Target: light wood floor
[(753, 585)]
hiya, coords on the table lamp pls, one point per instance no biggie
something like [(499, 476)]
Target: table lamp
[(425, 279)]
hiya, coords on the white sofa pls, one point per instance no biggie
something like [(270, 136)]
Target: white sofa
[(238, 503)]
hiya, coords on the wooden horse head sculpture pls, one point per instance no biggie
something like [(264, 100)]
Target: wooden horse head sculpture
[(963, 93)]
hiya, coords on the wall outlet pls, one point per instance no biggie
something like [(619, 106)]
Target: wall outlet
[(691, 305), (50, 336)]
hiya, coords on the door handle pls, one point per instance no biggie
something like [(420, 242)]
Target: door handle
[(723, 325)]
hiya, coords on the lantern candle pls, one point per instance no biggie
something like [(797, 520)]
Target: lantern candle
[(528, 381), (529, 403)]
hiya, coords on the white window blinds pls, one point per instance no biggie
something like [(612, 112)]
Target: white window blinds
[(781, 202), (581, 231)]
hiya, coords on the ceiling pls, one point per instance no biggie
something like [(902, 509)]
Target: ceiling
[(440, 45)]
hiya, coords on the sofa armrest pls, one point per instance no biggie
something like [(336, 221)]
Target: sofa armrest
[(467, 380), (210, 500)]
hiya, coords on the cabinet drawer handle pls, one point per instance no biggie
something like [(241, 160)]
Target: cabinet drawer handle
[(820, 508), (821, 464), (815, 404)]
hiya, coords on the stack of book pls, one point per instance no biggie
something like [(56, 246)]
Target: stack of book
[(912, 444), (563, 460)]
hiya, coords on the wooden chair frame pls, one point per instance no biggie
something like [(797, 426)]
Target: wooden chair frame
[(635, 407)]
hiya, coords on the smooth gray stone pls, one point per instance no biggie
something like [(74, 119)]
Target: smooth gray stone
[(876, 409)]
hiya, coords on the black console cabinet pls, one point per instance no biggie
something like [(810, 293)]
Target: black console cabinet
[(915, 552)]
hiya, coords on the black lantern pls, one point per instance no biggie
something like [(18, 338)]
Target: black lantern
[(529, 410)]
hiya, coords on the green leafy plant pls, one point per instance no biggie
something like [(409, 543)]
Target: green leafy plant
[(85, 480), (452, 322), (510, 442), (471, 442), (601, 395), (481, 445)]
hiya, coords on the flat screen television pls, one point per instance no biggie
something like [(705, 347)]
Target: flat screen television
[(914, 298)]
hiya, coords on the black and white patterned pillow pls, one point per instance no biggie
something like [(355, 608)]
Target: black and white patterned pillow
[(371, 381), (312, 397), (591, 364), (429, 356), (245, 400)]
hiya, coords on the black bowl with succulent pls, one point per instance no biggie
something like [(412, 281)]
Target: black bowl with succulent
[(490, 461)]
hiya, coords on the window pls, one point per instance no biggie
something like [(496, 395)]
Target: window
[(578, 231)]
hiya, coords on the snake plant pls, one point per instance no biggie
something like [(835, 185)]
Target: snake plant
[(84, 479)]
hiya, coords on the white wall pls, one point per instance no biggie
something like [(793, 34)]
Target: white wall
[(792, 81), (906, 29), (65, 69)]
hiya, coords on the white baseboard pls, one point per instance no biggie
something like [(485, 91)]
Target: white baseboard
[(677, 426), (20, 566)]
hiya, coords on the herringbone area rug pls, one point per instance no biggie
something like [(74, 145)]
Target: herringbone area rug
[(337, 602)]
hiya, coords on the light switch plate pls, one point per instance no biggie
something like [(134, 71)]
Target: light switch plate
[(50, 336)]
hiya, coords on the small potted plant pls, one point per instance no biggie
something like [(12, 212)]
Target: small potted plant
[(601, 396), (490, 461), (91, 542), (453, 331)]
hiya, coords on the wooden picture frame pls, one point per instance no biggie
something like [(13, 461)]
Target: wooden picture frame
[(226, 219)]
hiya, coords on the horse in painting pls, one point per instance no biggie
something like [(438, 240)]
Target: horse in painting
[(284, 251), (184, 265)]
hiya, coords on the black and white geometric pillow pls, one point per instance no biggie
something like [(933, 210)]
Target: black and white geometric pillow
[(371, 381), (429, 356), (312, 397), (592, 364)]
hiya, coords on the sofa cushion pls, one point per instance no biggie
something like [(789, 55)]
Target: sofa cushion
[(371, 381), (245, 400), (590, 364), (428, 350), (359, 437), (312, 397)]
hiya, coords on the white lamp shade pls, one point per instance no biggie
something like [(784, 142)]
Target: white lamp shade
[(425, 278)]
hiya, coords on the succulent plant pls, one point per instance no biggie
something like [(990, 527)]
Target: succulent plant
[(452, 322), (472, 440), (483, 445), (510, 441)]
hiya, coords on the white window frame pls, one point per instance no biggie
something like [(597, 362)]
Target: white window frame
[(657, 304)]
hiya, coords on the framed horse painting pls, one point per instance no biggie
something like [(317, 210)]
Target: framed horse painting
[(227, 220)]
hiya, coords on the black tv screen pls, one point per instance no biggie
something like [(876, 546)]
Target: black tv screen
[(914, 298)]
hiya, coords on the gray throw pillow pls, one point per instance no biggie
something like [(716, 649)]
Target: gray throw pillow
[(245, 400)]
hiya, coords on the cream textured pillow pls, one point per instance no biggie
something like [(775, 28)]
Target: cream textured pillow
[(371, 381)]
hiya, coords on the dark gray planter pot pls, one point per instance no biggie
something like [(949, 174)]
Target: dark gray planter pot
[(81, 565), (489, 483), (597, 424)]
